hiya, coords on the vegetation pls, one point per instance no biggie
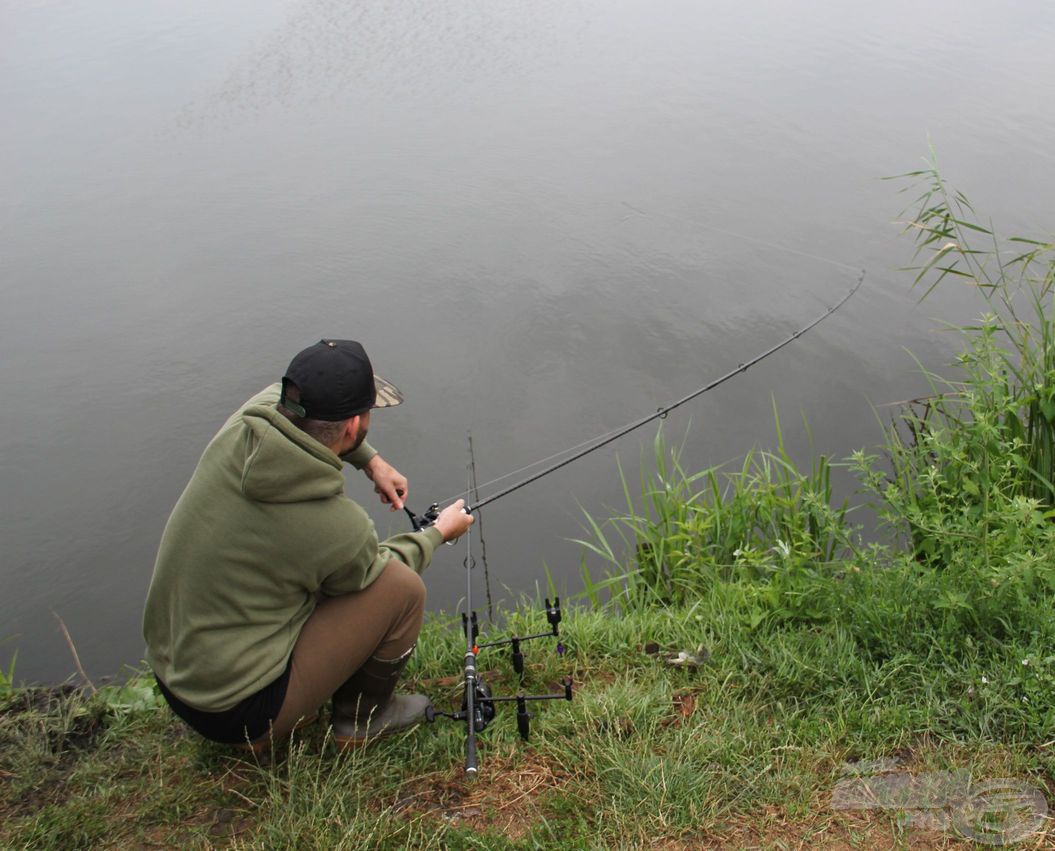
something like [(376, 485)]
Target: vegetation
[(740, 749), (765, 526), (760, 649)]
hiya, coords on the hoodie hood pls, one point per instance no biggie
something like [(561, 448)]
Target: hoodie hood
[(281, 463)]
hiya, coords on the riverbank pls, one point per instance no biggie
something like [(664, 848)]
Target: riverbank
[(743, 745)]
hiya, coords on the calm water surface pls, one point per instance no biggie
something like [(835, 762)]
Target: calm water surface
[(542, 219)]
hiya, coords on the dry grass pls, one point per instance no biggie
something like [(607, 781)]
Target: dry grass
[(508, 799)]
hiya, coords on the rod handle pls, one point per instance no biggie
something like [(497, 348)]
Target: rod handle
[(471, 764)]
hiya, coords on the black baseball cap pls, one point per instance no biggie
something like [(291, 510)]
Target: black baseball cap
[(336, 382)]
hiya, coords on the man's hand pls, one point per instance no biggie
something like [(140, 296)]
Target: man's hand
[(389, 483), (453, 521)]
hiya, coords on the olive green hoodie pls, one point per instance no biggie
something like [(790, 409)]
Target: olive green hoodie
[(261, 528)]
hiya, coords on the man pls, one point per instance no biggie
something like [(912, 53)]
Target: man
[(271, 592)]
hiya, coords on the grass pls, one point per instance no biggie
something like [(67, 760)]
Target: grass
[(757, 526), (744, 748)]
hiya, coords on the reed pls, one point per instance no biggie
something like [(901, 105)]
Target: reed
[(767, 522), (968, 470), (1005, 402)]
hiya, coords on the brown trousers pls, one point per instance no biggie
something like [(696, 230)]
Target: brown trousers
[(381, 621)]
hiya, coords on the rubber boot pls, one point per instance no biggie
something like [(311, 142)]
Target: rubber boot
[(364, 706)]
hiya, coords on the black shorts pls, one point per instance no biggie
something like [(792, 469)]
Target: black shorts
[(247, 720)]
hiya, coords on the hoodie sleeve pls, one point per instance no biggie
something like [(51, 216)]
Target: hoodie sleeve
[(414, 549)]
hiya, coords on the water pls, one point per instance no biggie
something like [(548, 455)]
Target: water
[(543, 220)]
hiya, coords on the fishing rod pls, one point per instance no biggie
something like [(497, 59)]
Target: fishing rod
[(478, 702), (595, 443)]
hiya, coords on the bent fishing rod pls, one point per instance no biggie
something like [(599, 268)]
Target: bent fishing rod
[(593, 444)]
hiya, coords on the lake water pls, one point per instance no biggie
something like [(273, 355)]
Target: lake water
[(542, 219)]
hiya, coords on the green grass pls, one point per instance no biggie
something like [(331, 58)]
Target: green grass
[(647, 751)]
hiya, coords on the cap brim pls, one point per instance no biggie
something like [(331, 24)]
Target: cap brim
[(388, 396)]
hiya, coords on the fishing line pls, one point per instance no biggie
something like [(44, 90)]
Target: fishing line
[(526, 467)]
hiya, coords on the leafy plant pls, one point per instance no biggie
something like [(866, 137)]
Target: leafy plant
[(138, 694), (1007, 397), (971, 466)]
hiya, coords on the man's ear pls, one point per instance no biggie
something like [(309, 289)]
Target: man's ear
[(351, 427)]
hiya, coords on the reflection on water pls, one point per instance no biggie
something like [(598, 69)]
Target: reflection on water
[(325, 49), (543, 220)]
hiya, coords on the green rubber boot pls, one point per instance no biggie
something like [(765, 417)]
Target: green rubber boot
[(364, 707)]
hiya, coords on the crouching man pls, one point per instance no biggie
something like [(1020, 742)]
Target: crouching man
[(271, 593)]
